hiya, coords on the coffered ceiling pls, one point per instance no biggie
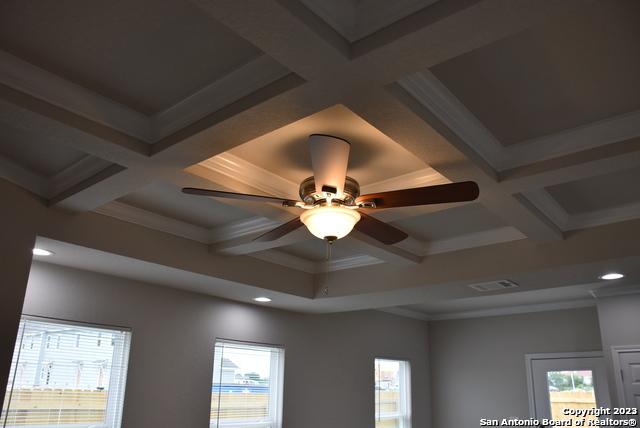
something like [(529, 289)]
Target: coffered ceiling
[(106, 112)]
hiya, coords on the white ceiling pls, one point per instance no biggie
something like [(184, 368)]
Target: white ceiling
[(107, 114)]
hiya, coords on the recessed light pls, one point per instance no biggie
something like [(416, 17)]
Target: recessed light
[(262, 299), (41, 252), (611, 275)]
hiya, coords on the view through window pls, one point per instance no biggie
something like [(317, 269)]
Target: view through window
[(247, 386), (570, 389), (65, 374), (392, 394)]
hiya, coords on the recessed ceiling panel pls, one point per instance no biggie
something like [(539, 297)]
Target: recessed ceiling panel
[(36, 152), (143, 53), (373, 157), (169, 201), (449, 223), (356, 19), (572, 71), (598, 192)]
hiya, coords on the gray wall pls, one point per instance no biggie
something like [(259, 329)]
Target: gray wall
[(478, 366), (619, 326), (329, 358)]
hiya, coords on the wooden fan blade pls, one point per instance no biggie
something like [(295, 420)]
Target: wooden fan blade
[(329, 157), (379, 230), (280, 231), (439, 194), (241, 196)]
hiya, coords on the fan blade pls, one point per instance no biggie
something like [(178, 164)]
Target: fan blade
[(280, 231), (379, 230), (329, 158), (440, 194), (241, 196)]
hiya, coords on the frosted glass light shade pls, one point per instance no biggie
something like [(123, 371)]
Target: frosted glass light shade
[(330, 221)]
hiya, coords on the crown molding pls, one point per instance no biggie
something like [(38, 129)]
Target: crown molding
[(23, 177), (604, 216), (404, 312), (154, 221), (344, 23), (252, 175), (241, 228), (513, 310), (420, 178), (75, 173), (243, 81), (547, 205), (349, 263), (433, 95), (596, 134), (35, 81), (40, 83), (616, 290), (287, 260), (473, 240)]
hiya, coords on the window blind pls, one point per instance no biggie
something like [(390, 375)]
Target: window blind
[(66, 374), (392, 393), (246, 386)]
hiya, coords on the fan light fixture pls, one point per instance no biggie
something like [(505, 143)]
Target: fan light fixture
[(330, 222), (330, 199), (611, 275)]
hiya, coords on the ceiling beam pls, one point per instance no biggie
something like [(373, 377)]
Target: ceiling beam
[(324, 72), (576, 166), (411, 125)]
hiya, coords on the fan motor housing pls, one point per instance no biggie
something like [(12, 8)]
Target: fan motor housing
[(310, 197)]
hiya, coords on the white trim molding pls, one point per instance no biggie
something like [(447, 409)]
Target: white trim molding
[(154, 221), (74, 174), (24, 177), (419, 178), (617, 290), (517, 309), (252, 175), (604, 216), (473, 240), (597, 134), (42, 84), (547, 205), (432, 94), (247, 79), (35, 81), (435, 96), (241, 228)]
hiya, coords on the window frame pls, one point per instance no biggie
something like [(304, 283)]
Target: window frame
[(405, 413), (115, 402), (276, 394)]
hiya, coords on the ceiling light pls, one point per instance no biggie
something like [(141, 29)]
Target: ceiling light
[(262, 299), (612, 275), (41, 252), (330, 222)]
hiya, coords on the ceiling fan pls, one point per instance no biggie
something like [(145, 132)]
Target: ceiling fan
[(332, 202)]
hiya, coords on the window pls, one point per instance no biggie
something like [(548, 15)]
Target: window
[(566, 381), (392, 393), (74, 384), (247, 386)]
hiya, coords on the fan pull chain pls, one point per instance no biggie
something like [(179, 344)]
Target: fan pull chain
[(325, 289)]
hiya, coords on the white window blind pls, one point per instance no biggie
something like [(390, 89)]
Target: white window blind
[(247, 385), (66, 374), (392, 393)]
